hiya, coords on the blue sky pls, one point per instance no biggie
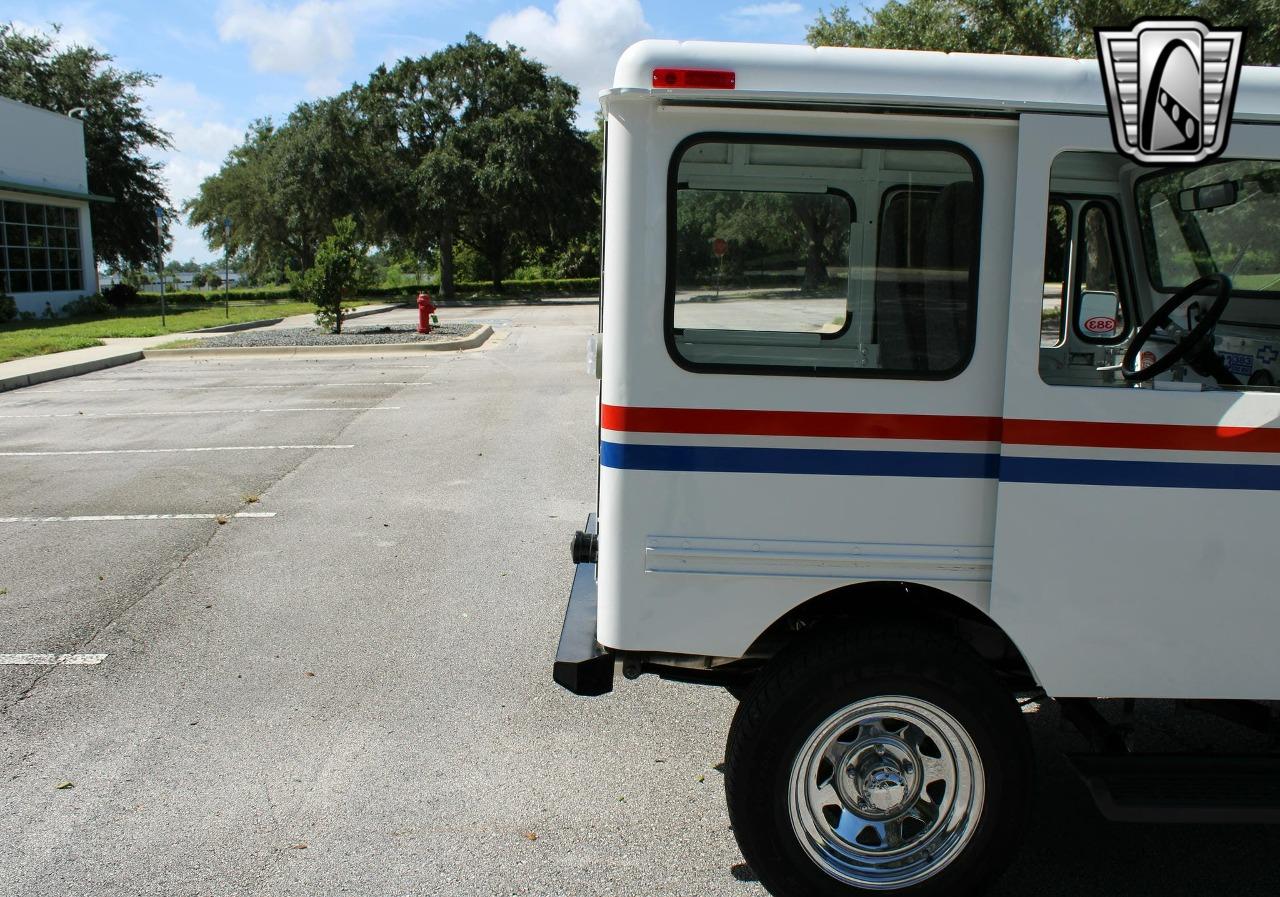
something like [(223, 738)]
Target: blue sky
[(223, 63)]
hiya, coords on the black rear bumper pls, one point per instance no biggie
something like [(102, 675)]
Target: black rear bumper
[(582, 665)]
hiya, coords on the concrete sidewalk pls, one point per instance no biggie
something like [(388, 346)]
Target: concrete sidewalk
[(43, 368)]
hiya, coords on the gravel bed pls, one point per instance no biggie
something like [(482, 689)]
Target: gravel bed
[(350, 336)]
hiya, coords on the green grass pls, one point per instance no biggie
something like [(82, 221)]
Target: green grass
[(22, 339)]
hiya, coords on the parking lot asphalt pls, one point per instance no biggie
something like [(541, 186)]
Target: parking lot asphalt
[(353, 696)]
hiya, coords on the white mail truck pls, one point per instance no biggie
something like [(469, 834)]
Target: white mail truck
[(918, 403)]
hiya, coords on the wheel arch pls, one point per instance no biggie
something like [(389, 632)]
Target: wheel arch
[(911, 603)]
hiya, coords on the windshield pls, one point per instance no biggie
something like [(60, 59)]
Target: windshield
[(1218, 218)]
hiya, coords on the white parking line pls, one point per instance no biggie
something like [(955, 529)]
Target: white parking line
[(189, 413), (52, 660), (164, 451), (175, 388), (101, 518)]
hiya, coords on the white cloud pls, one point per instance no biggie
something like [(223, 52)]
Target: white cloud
[(202, 137), (312, 38), (80, 24), (580, 40), (315, 39)]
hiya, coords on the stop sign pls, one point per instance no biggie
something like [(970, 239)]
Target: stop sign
[(719, 247)]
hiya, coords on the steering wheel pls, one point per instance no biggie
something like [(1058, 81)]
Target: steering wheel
[(1194, 345)]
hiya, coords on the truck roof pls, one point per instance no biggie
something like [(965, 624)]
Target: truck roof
[(782, 73)]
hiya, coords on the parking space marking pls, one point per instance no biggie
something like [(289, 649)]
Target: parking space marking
[(52, 660), (102, 518), (189, 413), (79, 390), (165, 451)]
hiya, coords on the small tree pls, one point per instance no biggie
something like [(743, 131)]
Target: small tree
[(341, 268), (199, 280), (213, 280)]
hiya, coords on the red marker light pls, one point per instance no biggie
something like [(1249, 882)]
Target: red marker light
[(705, 79)]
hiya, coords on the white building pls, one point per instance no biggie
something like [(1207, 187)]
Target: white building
[(46, 245)]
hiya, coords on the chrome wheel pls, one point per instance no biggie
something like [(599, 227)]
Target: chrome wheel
[(886, 792)]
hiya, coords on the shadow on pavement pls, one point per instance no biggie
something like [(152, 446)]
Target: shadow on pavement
[(1071, 850)]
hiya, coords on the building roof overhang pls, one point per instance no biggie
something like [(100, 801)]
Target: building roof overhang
[(55, 192)]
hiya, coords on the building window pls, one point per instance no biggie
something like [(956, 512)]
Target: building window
[(39, 248)]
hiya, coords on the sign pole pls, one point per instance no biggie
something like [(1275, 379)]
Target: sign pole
[(160, 262), (226, 265)]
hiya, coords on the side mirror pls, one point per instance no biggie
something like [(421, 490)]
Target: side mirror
[(1210, 196), (1097, 316)]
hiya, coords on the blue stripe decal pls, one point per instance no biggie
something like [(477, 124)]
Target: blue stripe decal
[(732, 459), (953, 465), (1151, 474)]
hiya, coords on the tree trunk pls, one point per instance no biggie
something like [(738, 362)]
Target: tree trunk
[(337, 313), (496, 271), (496, 255), (1099, 271), (446, 256), (815, 267), (815, 270)]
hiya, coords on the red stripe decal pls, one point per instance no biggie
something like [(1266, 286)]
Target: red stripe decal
[(1184, 437), (725, 422), (834, 424)]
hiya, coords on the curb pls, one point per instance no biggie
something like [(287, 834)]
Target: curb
[(502, 303), (70, 370), (371, 311), (267, 322), (18, 381), (243, 325), (467, 342)]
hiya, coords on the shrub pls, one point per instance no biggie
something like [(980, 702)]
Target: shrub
[(469, 264), (580, 258), (193, 297), (121, 295), (341, 269), (8, 308), (91, 306), (564, 286)]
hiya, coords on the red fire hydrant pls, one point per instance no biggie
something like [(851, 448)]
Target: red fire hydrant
[(426, 308)]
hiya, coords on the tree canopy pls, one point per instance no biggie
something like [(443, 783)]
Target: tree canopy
[(283, 187), (1034, 27), (117, 135), (472, 145), (515, 171)]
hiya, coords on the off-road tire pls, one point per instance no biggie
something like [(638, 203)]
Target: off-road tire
[(832, 668)]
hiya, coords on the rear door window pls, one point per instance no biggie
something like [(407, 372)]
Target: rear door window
[(774, 265)]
